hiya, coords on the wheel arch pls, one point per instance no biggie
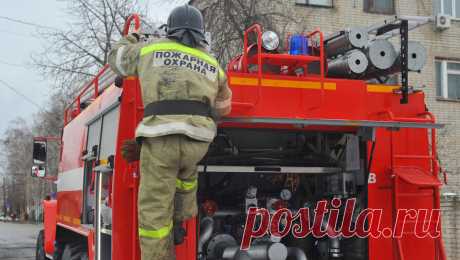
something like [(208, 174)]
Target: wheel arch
[(67, 235)]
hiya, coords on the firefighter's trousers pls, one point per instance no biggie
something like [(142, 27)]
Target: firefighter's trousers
[(167, 191)]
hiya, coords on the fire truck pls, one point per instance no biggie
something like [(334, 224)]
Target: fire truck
[(306, 126)]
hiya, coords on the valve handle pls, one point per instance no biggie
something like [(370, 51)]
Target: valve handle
[(137, 23)]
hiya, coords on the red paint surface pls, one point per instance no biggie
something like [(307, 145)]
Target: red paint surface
[(50, 210)]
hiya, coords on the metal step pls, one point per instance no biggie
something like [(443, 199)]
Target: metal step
[(267, 169)]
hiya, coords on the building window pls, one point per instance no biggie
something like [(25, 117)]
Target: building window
[(447, 79), (379, 6), (447, 7), (320, 3)]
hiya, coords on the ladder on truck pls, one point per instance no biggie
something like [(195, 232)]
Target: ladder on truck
[(427, 184)]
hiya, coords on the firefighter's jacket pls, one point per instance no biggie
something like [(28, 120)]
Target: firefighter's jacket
[(168, 70)]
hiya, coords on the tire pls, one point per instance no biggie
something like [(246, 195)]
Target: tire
[(40, 247), (74, 252), (58, 249)]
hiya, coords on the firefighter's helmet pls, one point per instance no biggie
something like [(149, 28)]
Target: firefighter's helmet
[(186, 25)]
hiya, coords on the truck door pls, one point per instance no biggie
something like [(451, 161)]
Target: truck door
[(99, 164), (92, 146), (104, 173)]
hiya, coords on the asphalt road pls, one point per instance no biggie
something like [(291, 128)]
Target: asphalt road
[(17, 241)]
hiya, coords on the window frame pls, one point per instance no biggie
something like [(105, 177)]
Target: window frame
[(368, 8), (89, 163), (100, 117), (315, 5), (113, 109), (441, 3), (445, 72)]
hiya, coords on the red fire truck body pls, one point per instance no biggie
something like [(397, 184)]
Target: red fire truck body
[(398, 144)]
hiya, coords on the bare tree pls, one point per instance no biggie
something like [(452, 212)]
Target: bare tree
[(227, 20), (75, 54), (17, 148), (19, 189)]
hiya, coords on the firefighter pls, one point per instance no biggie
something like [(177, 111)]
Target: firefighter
[(183, 90)]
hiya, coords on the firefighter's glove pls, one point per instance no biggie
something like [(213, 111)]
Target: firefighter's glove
[(131, 150), (119, 82), (179, 233)]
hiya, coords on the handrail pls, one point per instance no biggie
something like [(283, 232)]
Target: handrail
[(321, 62), (131, 18), (321, 49), (75, 105), (93, 85), (430, 119), (257, 28), (434, 151)]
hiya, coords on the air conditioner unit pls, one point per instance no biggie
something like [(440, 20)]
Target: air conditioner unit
[(443, 22)]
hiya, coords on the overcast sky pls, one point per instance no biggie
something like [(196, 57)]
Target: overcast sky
[(18, 42)]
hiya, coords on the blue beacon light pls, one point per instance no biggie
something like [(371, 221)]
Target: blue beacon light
[(298, 45)]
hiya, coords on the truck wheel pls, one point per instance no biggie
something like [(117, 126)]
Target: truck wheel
[(74, 252), (40, 247)]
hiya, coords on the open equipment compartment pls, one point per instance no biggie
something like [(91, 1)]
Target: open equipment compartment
[(273, 169)]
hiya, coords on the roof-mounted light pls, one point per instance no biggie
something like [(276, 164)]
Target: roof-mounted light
[(270, 40)]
